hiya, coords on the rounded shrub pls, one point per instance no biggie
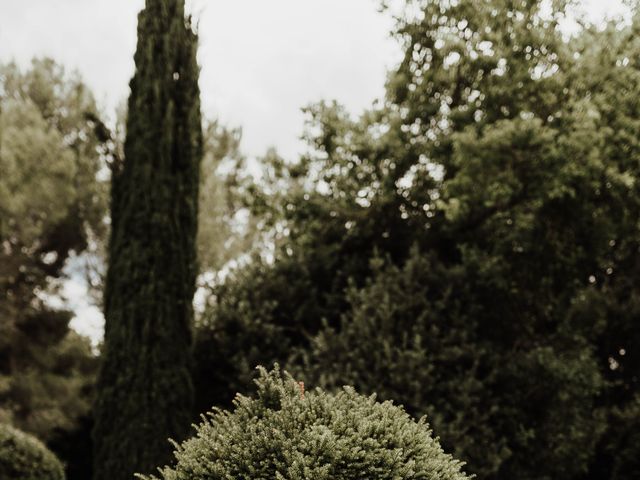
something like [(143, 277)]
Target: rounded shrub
[(285, 433), (23, 457)]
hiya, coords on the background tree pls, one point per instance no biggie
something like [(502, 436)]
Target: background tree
[(52, 208), (500, 200), (610, 78), (226, 230), (144, 389)]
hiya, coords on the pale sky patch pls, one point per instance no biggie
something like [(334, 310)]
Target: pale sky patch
[(261, 60)]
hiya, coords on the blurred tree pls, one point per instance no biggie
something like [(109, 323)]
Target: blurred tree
[(609, 75), (225, 229), (52, 208), (144, 389)]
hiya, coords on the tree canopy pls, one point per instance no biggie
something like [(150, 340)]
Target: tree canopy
[(465, 248), (51, 206)]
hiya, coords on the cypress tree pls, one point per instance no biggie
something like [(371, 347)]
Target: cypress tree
[(144, 390)]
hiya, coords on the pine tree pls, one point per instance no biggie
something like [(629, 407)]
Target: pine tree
[(144, 390)]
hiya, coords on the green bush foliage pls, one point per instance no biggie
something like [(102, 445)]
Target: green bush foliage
[(287, 433), (410, 336), (23, 457)]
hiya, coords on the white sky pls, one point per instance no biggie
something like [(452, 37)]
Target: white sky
[(261, 62)]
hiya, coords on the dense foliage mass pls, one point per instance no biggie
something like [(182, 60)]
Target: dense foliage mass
[(286, 432), (468, 248), (144, 389), (52, 206), (23, 457)]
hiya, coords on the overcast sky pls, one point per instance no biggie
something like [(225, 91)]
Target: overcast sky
[(262, 60)]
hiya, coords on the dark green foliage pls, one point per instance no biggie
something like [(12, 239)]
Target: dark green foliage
[(625, 432), (52, 207), (23, 457), (74, 447), (144, 390), (287, 433), (414, 335), (260, 316), (506, 156), (610, 76)]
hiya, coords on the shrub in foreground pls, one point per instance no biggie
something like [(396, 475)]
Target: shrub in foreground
[(285, 433), (23, 457)]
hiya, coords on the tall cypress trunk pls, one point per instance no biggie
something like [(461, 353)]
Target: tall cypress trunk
[(144, 390)]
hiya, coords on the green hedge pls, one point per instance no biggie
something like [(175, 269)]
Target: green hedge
[(285, 433), (23, 457)]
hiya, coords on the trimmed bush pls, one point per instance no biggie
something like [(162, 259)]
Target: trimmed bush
[(23, 457), (286, 433)]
